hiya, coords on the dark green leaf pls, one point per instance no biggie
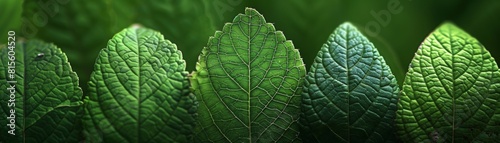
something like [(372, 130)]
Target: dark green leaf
[(350, 93)]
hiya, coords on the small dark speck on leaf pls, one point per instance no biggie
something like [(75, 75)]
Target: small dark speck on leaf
[(39, 56)]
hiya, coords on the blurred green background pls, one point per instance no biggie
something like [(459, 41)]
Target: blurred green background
[(83, 27)]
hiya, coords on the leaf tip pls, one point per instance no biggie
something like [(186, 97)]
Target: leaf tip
[(136, 26), (447, 23), (449, 26), (347, 23), (251, 11)]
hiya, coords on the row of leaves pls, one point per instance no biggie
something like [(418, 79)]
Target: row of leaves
[(250, 85)]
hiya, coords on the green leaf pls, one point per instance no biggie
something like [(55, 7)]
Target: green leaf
[(350, 93), (139, 91), (248, 82), (44, 95), (451, 92), (10, 17)]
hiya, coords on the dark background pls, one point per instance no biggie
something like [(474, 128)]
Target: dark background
[(83, 27)]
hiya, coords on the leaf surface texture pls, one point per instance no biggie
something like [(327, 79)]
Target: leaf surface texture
[(139, 91)]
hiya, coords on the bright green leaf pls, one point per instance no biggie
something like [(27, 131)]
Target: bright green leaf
[(46, 97), (139, 91), (350, 93), (451, 92), (248, 82)]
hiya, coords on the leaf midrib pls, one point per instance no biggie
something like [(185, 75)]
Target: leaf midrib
[(139, 90), (449, 34), (347, 84), (453, 81), (249, 77)]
